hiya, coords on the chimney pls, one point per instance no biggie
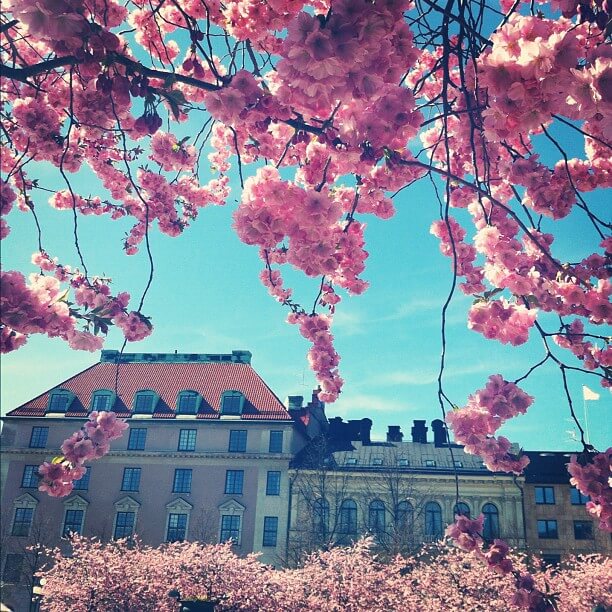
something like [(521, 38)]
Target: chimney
[(419, 432), (364, 431), (439, 431), (337, 429), (294, 402), (394, 434)]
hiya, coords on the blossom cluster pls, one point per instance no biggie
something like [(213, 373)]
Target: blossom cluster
[(466, 533), (475, 425), (592, 476), (322, 356), (91, 442), (41, 306)]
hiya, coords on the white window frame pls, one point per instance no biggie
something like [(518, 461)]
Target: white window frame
[(24, 501), (232, 508), (177, 506), (126, 504), (76, 502)]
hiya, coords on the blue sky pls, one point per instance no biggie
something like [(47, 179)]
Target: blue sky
[(207, 298)]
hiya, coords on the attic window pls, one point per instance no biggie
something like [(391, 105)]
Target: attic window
[(351, 461), (144, 402), (430, 463), (232, 403), (377, 461), (60, 401), (458, 464), (187, 402), (102, 400), (403, 462)]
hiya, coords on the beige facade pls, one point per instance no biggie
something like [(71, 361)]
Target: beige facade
[(401, 493), (557, 522)]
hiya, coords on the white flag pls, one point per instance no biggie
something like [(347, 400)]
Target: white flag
[(587, 394)]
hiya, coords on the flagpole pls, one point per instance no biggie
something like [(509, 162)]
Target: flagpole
[(586, 420)]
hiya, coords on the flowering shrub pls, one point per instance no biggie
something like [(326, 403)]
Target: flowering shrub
[(127, 575)]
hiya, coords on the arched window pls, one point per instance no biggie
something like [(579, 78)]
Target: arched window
[(376, 517), (232, 402), (60, 400), (491, 522), (348, 517), (461, 509), (188, 402), (433, 520), (102, 400), (404, 516), (145, 402), (320, 517)]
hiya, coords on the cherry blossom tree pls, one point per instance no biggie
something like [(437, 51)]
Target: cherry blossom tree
[(126, 575), (333, 108)]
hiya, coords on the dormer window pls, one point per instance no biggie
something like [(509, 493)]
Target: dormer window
[(351, 461), (377, 461), (403, 462), (102, 401), (144, 402), (430, 463), (187, 402), (232, 403), (60, 400)]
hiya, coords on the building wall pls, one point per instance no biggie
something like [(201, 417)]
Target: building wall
[(155, 498), (391, 486), (564, 513)]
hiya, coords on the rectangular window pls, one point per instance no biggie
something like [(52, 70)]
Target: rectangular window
[(101, 403), (583, 530), (58, 402), (39, 436), (29, 480), (83, 483), (188, 403), (144, 403), (351, 461), (458, 464), (232, 403), (13, 566), (177, 527), (376, 461), (22, 521), (273, 483), (124, 524), (545, 495), (131, 479), (182, 481), (234, 480), (270, 530), (137, 439), (276, 442), (187, 439), (578, 499), (430, 463), (237, 441), (547, 530), (73, 522), (403, 462), (230, 528)]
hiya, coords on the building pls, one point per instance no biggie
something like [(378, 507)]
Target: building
[(212, 454), (555, 517), (403, 493), (206, 457)]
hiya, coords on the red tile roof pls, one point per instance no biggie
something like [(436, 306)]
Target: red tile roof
[(210, 380)]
